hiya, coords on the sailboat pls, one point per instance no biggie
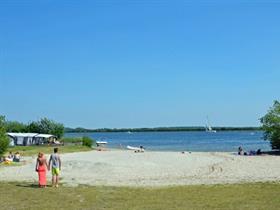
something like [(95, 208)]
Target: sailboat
[(208, 127)]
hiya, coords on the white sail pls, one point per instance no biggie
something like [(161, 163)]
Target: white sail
[(209, 128)]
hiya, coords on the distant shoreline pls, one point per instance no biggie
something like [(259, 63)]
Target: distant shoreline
[(159, 129)]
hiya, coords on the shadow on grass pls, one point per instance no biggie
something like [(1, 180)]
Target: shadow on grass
[(28, 185), (32, 185)]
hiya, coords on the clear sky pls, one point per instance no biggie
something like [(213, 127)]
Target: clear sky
[(139, 63)]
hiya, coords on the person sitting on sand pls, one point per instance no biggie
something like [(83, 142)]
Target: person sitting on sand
[(55, 162), (240, 151), (16, 157), (252, 152), (142, 149), (7, 160), (10, 156)]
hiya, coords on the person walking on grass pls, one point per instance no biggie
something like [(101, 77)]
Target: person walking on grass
[(55, 162), (41, 169)]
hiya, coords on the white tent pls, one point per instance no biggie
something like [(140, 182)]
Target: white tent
[(22, 138), (29, 138)]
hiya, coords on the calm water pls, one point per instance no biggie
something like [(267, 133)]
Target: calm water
[(183, 141)]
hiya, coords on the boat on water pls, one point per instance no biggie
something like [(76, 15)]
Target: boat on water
[(208, 127), (136, 149), (101, 143)]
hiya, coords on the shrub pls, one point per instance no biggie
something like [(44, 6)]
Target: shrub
[(72, 140), (87, 141), (16, 127), (4, 140), (271, 125)]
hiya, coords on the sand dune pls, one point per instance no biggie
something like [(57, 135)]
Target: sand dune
[(126, 168)]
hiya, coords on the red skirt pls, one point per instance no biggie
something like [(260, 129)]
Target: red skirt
[(42, 172)]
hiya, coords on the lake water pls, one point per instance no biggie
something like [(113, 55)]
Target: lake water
[(226, 141)]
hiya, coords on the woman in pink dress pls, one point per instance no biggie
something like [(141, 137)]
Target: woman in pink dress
[(41, 168)]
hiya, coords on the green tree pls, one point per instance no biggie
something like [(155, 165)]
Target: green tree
[(47, 126), (14, 126), (271, 125), (33, 127), (4, 140)]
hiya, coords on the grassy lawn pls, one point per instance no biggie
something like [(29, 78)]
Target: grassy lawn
[(33, 150), (237, 196)]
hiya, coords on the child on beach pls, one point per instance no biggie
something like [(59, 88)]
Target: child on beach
[(55, 162)]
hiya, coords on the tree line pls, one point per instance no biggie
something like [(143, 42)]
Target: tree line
[(158, 129), (44, 125)]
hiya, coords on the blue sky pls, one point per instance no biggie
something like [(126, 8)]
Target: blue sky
[(139, 63)]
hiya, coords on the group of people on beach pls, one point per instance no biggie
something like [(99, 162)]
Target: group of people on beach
[(251, 152), (42, 166), (11, 158)]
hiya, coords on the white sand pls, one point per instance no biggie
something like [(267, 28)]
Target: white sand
[(126, 168)]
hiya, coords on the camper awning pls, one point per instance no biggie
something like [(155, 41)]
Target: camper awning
[(44, 135), (22, 134), (30, 135)]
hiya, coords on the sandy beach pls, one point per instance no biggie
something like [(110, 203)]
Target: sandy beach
[(126, 168)]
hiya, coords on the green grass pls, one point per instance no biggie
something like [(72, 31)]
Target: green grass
[(33, 150), (236, 196), (72, 140)]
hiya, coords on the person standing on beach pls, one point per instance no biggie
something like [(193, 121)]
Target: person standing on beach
[(41, 169), (55, 162)]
